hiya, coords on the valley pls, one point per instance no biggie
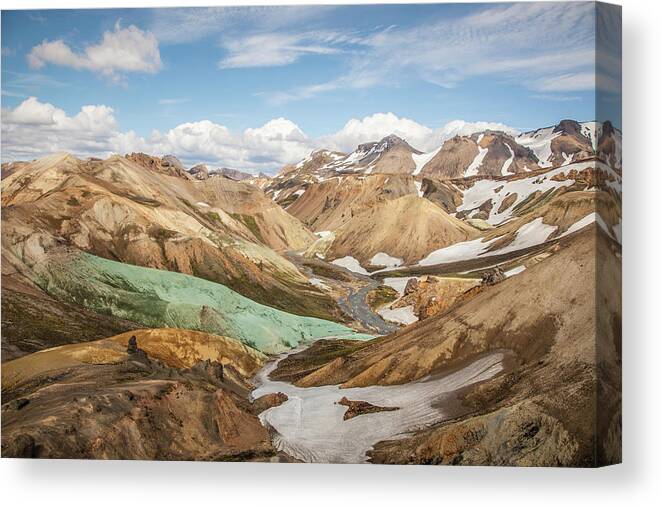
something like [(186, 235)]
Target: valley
[(389, 305)]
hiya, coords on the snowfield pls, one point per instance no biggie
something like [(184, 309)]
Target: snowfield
[(498, 191), (310, 425), (531, 234)]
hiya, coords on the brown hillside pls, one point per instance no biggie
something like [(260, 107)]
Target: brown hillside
[(408, 228)]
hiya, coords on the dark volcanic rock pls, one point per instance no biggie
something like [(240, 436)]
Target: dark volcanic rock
[(494, 276), (136, 353)]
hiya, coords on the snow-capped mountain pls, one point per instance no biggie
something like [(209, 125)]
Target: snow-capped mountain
[(489, 153)]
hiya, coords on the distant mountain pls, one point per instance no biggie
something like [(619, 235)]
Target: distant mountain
[(487, 153), (233, 174), (484, 154)]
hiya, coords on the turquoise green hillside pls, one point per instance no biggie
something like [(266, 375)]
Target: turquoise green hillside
[(156, 298)]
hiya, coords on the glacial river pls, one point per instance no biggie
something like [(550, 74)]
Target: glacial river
[(310, 426)]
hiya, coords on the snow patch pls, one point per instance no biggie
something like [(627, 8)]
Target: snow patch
[(383, 259), (474, 166), (515, 271), (402, 315), (483, 190), (398, 283), (318, 283), (506, 165), (533, 233), (351, 264), (592, 218), (539, 142), (465, 250), (421, 160)]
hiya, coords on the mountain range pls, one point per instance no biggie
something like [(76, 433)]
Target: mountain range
[(384, 268)]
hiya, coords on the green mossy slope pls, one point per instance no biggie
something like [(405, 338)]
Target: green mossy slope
[(156, 298)]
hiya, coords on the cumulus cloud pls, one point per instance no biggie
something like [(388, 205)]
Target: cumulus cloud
[(270, 146), (34, 129), (375, 127), (379, 125), (120, 51)]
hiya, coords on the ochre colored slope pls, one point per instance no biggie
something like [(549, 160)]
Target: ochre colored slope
[(407, 228)]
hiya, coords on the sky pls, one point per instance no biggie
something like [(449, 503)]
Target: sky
[(254, 88)]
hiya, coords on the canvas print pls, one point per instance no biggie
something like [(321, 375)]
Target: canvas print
[(386, 234)]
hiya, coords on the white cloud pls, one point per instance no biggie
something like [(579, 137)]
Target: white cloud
[(183, 25), (120, 51), (582, 81), (274, 49), (375, 127), (34, 129), (171, 102), (32, 112), (379, 125), (544, 46)]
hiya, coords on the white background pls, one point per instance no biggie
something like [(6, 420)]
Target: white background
[(636, 482)]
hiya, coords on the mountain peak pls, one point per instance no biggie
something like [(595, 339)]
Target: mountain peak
[(387, 143)]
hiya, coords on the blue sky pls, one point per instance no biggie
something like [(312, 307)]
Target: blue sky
[(222, 85)]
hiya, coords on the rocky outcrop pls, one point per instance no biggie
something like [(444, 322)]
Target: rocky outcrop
[(356, 408), (411, 286), (169, 164), (199, 172), (432, 295), (233, 174), (268, 401), (493, 276), (135, 353)]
